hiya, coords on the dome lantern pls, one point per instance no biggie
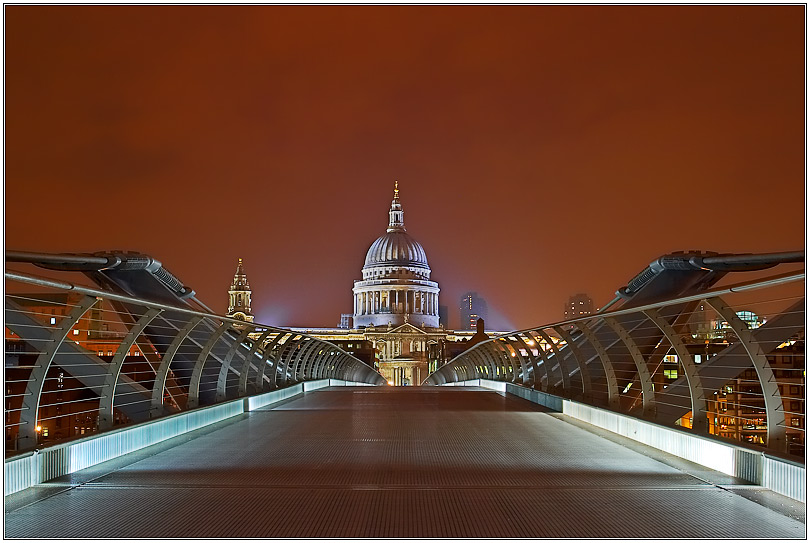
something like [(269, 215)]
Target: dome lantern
[(396, 217)]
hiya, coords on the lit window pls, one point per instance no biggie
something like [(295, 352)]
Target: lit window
[(109, 353), (75, 332), (53, 320), (101, 353), (671, 374)]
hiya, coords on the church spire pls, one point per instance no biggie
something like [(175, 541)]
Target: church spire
[(239, 296), (396, 217)]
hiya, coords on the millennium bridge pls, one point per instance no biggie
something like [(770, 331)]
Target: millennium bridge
[(676, 411)]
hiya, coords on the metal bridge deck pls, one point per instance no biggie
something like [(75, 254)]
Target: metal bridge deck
[(400, 462)]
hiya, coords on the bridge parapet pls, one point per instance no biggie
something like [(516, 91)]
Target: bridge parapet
[(726, 364), (83, 360)]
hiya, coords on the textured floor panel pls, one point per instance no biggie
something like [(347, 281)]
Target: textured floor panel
[(398, 463)]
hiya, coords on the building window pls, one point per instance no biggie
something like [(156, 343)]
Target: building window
[(794, 406), (53, 320), (109, 353), (75, 332), (794, 390), (795, 421), (101, 353), (671, 374)]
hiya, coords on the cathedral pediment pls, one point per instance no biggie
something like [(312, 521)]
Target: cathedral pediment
[(407, 328)]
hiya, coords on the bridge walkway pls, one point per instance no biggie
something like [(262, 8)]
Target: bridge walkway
[(400, 462)]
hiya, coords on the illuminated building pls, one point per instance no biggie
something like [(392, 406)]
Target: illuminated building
[(472, 307), (736, 409), (396, 326), (705, 324), (239, 296), (578, 305), (396, 288)]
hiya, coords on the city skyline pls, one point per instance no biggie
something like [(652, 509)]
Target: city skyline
[(533, 144)]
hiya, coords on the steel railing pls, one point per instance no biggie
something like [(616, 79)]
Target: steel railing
[(81, 360), (728, 362)]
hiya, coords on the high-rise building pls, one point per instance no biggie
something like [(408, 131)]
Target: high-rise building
[(578, 305), (239, 296), (472, 307)]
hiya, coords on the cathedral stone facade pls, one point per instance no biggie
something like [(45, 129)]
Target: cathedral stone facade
[(396, 305)]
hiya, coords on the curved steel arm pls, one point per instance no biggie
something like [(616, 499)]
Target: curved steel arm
[(165, 364), (774, 412), (645, 379), (245, 369), (226, 363), (33, 389), (106, 403), (696, 392), (607, 365), (585, 377), (196, 374)]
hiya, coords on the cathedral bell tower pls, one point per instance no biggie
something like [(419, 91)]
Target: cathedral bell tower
[(239, 296)]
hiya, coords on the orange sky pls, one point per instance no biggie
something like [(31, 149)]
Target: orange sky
[(541, 150)]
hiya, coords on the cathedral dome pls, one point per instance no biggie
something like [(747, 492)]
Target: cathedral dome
[(396, 286), (396, 248)]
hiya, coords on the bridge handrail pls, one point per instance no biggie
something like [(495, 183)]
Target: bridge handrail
[(183, 359), (662, 363)]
